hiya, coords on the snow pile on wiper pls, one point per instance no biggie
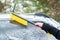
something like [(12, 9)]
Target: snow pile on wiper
[(10, 31)]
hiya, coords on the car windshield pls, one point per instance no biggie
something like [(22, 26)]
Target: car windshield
[(11, 31)]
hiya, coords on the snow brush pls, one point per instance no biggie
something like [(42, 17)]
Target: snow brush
[(22, 21), (19, 19)]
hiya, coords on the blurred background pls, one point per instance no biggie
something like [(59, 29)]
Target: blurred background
[(48, 7)]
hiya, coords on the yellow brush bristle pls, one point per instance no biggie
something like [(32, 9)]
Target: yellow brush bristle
[(18, 19)]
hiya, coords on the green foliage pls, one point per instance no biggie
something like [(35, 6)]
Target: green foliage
[(29, 10), (25, 4), (41, 4)]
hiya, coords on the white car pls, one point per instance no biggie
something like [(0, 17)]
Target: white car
[(10, 31)]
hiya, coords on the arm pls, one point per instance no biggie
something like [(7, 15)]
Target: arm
[(52, 30)]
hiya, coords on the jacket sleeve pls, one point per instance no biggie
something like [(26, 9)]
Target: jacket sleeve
[(52, 30)]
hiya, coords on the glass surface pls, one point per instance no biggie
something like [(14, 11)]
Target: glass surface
[(10, 31)]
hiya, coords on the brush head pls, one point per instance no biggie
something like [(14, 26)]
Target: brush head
[(18, 19)]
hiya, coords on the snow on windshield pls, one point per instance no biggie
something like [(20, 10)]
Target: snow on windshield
[(9, 31)]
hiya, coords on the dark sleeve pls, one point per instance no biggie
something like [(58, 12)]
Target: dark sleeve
[(52, 30)]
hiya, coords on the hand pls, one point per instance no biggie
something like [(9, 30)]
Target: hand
[(38, 24)]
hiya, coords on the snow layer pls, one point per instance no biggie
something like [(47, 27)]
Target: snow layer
[(9, 31)]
